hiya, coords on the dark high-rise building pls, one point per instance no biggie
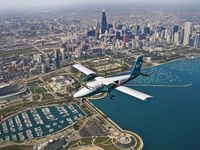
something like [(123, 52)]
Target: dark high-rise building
[(91, 32), (103, 22), (197, 40), (117, 35), (110, 26), (146, 30), (191, 42), (57, 58), (181, 35), (160, 28), (119, 26), (48, 64), (175, 29), (137, 29)]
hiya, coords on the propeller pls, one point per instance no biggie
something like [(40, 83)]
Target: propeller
[(85, 85)]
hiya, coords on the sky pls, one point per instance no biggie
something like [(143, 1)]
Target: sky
[(11, 4)]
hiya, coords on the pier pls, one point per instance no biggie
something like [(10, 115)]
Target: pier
[(39, 122)]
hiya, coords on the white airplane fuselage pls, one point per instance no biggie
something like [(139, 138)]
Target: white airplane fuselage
[(98, 86)]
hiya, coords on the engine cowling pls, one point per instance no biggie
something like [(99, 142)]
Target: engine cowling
[(89, 77), (110, 87)]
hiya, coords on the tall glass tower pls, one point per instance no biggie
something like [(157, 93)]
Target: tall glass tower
[(104, 22), (187, 31), (57, 58), (197, 40)]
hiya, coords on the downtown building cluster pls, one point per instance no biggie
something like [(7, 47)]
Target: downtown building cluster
[(122, 36), (75, 39)]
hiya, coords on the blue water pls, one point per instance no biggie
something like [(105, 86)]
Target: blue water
[(169, 121)]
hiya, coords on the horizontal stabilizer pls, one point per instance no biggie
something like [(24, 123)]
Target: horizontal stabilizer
[(144, 74), (134, 93)]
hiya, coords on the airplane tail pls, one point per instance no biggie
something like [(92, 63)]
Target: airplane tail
[(136, 71)]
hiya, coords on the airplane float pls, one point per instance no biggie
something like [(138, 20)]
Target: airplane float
[(96, 84)]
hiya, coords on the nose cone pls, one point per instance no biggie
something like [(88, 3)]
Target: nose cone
[(82, 93), (77, 94)]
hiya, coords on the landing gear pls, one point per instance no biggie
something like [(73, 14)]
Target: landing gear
[(112, 97)]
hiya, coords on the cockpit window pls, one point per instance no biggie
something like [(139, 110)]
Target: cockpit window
[(90, 87)]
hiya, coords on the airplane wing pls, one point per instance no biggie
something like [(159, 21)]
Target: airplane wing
[(133, 93), (83, 69)]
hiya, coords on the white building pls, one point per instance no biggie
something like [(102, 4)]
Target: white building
[(78, 52), (38, 57), (187, 31), (176, 38), (60, 83), (62, 51)]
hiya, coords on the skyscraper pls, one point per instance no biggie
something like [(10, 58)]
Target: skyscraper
[(126, 38), (146, 30), (48, 64), (187, 31), (98, 26), (175, 29), (57, 58), (103, 22), (117, 35), (176, 38), (97, 32), (137, 29), (44, 68), (197, 40), (62, 51), (78, 52)]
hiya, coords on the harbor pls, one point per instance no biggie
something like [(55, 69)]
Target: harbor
[(38, 122)]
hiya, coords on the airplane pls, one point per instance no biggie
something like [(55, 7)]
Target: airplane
[(99, 84)]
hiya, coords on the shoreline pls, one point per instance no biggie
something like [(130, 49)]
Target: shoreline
[(135, 135), (159, 64)]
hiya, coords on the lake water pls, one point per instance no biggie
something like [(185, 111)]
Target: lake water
[(171, 120)]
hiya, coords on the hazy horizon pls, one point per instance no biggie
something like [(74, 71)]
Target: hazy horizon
[(22, 4)]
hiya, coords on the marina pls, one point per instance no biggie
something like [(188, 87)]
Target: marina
[(38, 122)]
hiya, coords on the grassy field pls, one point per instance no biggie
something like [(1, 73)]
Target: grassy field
[(103, 142), (17, 52), (79, 123), (15, 108), (36, 97), (17, 147), (21, 106), (37, 89), (47, 96)]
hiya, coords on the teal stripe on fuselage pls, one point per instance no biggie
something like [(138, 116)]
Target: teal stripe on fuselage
[(104, 89), (100, 90)]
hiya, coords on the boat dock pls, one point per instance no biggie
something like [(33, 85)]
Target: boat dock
[(38, 122)]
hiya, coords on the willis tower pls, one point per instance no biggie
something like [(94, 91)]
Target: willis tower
[(103, 23)]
